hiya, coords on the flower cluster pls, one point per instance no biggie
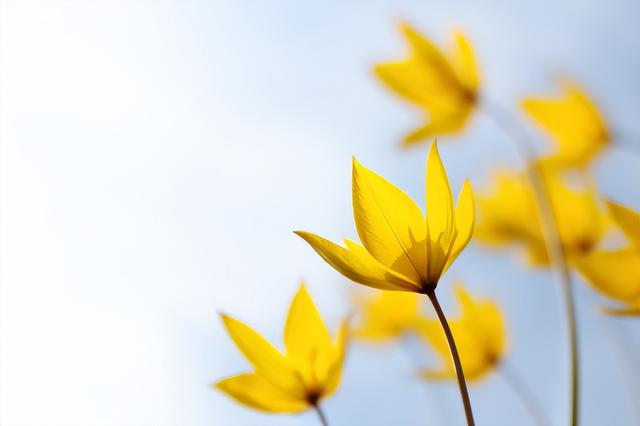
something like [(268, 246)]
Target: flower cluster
[(551, 209)]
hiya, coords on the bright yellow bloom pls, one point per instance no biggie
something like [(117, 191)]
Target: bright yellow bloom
[(387, 315), (616, 273), (628, 220), (309, 371), (509, 215), (401, 249), (480, 336), (573, 121), (443, 85)]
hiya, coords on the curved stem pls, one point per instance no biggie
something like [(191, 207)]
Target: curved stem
[(462, 384), (520, 141), (320, 413), (523, 393)]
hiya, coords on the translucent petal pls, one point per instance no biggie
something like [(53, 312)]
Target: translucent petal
[(256, 392), (358, 265), (628, 220), (465, 218), (390, 225), (266, 359), (616, 274), (308, 342)]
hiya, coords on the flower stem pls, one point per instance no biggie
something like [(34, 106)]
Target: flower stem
[(523, 393), (320, 413), (520, 141), (462, 384)]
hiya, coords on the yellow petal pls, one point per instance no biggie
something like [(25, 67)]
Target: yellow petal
[(465, 218), (358, 265), (627, 219), (390, 225), (386, 314), (580, 219), (479, 335), (616, 274), (256, 392), (441, 123), (574, 122), (428, 80), (266, 359), (464, 62), (431, 58), (307, 340), (339, 351), (440, 216)]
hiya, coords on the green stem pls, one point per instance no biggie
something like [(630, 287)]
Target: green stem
[(462, 384), (520, 140)]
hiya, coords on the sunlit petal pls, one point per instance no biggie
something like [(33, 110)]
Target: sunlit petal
[(358, 265), (266, 359), (256, 392), (390, 225)]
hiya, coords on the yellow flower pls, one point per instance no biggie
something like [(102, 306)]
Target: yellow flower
[(479, 333), (386, 315), (573, 121), (616, 273), (509, 215), (401, 249), (444, 86), (309, 371)]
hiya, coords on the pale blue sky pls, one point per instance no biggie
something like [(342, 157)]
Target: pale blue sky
[(156, 155)]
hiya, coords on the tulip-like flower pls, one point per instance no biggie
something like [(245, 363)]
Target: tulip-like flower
[(387, 315), (297, 380), (443, 85), (509, 215), (480, 335), (401, 249), (573, 121), (616, 273)]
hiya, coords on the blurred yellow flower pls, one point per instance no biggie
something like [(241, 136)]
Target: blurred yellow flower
[(509, 215), (628, 220), (386, 315), (402, 251), (479, 333), (616, 273), (573, 121), (444, 85), (309, 371)]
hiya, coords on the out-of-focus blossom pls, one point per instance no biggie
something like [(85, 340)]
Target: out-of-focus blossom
[(508, 215), (443, 84), (480, 336), (386, 315), (616, 273), (574, 123), (401, 249), (292, 382)]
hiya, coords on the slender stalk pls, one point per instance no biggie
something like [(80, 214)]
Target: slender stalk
[(321, 415), (521, 143), (523, 393), (462, 384)]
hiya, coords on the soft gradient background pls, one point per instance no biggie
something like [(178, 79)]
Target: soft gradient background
[(156, 155)]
